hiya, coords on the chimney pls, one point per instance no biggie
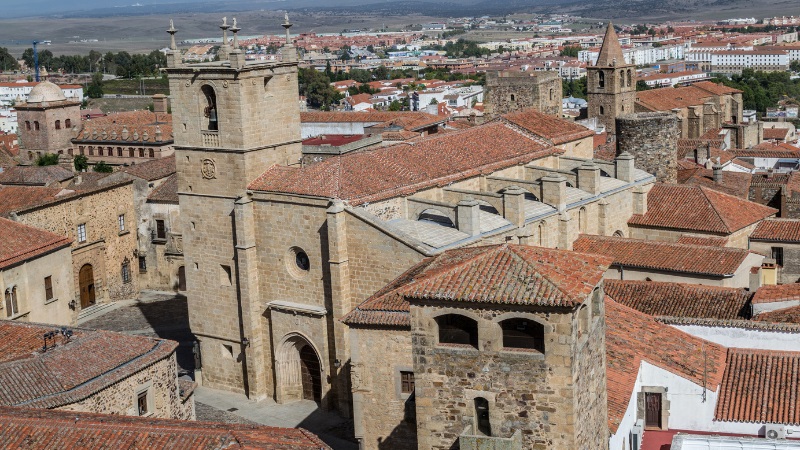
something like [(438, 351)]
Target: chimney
[(717, 168), (160, 104)]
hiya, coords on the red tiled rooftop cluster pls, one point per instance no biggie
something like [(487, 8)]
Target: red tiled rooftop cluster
[(152, 170), (141, 126), (22, 242), (777, 293), (781, 230), (556, 130), (35, 175)]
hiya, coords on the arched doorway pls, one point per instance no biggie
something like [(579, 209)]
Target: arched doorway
[(86, 284), (298, 370), (182, 278)]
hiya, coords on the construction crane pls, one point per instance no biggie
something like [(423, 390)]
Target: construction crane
[(36, 60)]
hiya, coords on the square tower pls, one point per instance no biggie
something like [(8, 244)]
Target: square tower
[(47, 120), (232, 120), (611, 83)]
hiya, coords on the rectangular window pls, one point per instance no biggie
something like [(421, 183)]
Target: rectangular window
[(406, 382), (12, 308), (48, 288), (82, 233), (142, 264), (225, 276), (141, 403), (777, 255), (126, 271), (121, 221), (161, 230)]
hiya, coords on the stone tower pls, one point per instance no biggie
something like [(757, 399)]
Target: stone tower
[(611, 83), (232, 119), (514, 91), (513, 360), (46, 120), (652, 138)]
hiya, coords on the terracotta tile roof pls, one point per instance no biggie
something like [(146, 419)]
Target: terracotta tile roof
[(716, 88), (711, 241), (680, 300), (769, 150), (606, 152), (743, 163), (732, 183), (777, 293), (167, 192), (780, 230), (152, 170), (686, 148), (760, 386), (35, 175), (633, 337), (409, 120), (36, 429), (784, 315), (139, 127), (22, 243), (556, 130), (403, 169), (668, 98), (21, 198), (698, 208), (712, 134), (776, 133), (74, 369), (507, 274), (666, 256)]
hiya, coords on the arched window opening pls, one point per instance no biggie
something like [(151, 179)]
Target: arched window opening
[(619, 233), (119, 151), (523, 333), (482, 423), (28, 125), (91, 150), (58, 124), (542, 237), (551, 94), (602, 110), (36, 125), (130, 152), (141, 153), (68, 123), (622, 79), (210, 110), (151, 153), (458, 330), (583, 320), (582, 220), (630, 78), (513, 98), (12, 308), (601, 80)]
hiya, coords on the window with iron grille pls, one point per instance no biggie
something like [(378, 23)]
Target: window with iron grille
[(82, 233), (126, 271), (121, 221), (406, 382)]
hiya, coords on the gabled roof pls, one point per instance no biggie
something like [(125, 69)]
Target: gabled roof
[(732, 183), (167, 192), (760, 386), (664, 256), (140, 127), (633, 337), (35, 175), (716, 88), (152, 170), (712, 241), (502, 274), (47, 429), (668, 98), (779, 230), (777, 293), (776, 133), (556, 130), (698, 208), (22, 198), (22, 243), (611, 51), (680, 300), (73, 370), (402, 169)]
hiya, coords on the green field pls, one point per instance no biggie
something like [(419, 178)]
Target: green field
[(134, 87)]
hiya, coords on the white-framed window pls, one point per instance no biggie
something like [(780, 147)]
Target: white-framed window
[(82, 233), (12, 308), (121, 221)]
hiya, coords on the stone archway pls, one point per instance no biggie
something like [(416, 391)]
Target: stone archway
[(298, 371)]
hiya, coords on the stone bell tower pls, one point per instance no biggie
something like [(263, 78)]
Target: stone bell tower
[(232, 120), (611, 83)]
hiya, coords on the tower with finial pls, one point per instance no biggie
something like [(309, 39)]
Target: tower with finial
[(232, 120), (611, 83)]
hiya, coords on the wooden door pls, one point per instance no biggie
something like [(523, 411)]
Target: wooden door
[(652, 410), (309, 369), (86, 284), (182, 278)]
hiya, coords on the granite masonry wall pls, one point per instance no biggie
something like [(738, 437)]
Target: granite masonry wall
[(652, 138)]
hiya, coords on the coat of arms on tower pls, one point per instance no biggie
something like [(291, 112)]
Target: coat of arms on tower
[(208, 169)]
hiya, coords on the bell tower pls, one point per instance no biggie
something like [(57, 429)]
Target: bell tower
[(611, 83), (232, 120)]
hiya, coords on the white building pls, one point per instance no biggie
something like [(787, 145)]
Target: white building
[(18, 92), (734, 61), (644, 55)]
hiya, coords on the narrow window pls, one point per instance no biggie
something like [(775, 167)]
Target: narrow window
[(28, 125), (141, 153), (458, 330), (630, 78), (82, 233), (141, 403), (406, 382), (582, 220), (126, 271), (121, 221), (225, 276), (161, 229), (777, 255), (58, 124), (483, 425), (142, 264), (601, 80), (119, 151), (36, 125), (152, 153), (48, 288), (523, 333), (130, 153), (68, 123), (602, 111), (91, 151), (210, 110), (513, 98), (12, 308)]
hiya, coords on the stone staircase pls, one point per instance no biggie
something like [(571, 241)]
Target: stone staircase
[(93, 311)]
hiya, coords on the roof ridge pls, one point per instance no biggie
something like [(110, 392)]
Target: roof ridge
[(536, 270), (714, 207)]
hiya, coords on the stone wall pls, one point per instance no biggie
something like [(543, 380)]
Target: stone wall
[(47, 139), (613, 98), (652, 138), (106, 246), (509, 92), (384, 415), (161, 379), (526, 390), (790, 271), (29, 276)]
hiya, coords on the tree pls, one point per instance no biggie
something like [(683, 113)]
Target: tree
[(48, 159), (81, 163), (95, 88), (571, 50), (642, 86), (317, 89), (395, 106), (434, 101), (794, 66), (7, 62), (102, 167)]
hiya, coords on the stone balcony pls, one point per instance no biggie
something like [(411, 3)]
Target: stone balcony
[(470, 441)]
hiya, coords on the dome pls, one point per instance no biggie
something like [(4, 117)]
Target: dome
[(46, 92)]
